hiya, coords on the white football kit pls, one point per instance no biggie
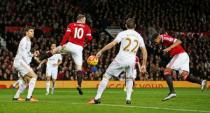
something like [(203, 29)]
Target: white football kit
[(75, 51), (52, 69), (125, 59), (23, 57)]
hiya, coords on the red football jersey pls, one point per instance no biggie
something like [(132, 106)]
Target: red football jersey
[(167, 41), (76, 33)]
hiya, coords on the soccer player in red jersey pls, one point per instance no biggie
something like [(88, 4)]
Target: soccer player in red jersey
[(180, 62), (75, 36)]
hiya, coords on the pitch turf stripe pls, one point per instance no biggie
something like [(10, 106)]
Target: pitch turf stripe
[(156, 108), (135, 91)]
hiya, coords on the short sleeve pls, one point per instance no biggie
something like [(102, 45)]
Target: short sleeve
[(118, 38), (168, 39), (59, 57), (141, 42)]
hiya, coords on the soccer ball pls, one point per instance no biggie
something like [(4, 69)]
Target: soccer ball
[(92, 60)]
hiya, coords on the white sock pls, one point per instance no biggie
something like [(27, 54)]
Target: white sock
[(21, 88), (129, 86), (101, 88), (31, 86), (16, 82), (48, 86)]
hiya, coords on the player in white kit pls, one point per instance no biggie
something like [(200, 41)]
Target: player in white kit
[(52, 69), (22, 65), (124, 61)]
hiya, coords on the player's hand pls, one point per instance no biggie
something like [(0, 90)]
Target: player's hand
[(36, 53), (99, 54), (143, 69), (167, 49), (55, 64)]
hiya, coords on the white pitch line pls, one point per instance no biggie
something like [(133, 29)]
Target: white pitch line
[(147, 107), (131, 106)]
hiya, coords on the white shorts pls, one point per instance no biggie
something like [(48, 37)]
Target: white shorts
[(76, 52), (52, 72), (22, 67), (116, 68), (180, 62)]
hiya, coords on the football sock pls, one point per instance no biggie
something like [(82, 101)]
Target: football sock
[(31, 87), (14, 84), (169, 81), (48, 86), (193, 79), (101, 88), (79, 78), (53, 85), (129, 86), (21, 88)]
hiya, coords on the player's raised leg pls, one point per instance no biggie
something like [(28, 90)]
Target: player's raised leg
[(101, 88), (193, 79), (16, 83), (22, 86)]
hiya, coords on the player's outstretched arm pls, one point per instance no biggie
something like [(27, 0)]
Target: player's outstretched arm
[(107, 47), (139, 66), (42, 62), (144, 61)]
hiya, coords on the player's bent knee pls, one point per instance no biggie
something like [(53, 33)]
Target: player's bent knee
[(106, 76), (167, 72), (48, 78), (30, 75), (130, 78), (53, 80), (80, 73), (33, 74), (185, 75)]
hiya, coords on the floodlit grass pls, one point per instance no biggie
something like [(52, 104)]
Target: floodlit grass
[(113, 101)]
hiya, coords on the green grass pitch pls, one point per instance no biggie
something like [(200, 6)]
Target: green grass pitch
[(113, 101)]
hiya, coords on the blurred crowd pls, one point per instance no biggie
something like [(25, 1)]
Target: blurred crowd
[(174, 15)]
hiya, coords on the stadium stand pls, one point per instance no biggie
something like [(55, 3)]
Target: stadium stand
[(184, 19)]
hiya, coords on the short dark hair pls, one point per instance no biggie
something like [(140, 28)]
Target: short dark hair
[(80, 16), (130, 23), (155, 35), (27, 28), (53, 42)]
